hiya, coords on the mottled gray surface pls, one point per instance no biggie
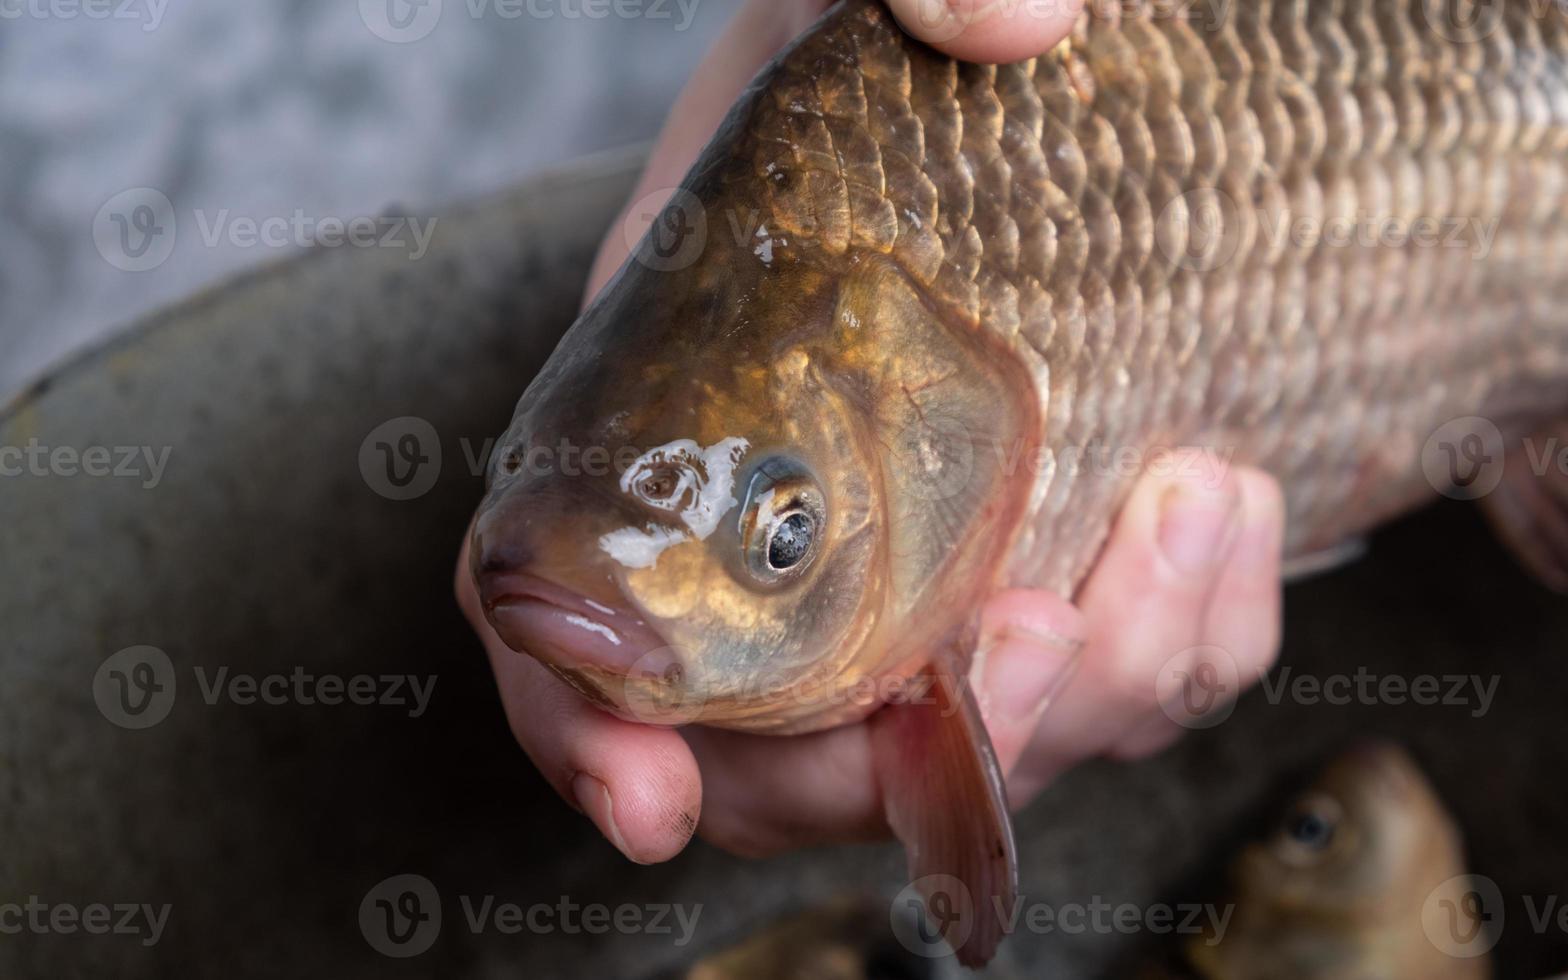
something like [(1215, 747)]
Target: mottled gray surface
[(265, 547), (260, 108)]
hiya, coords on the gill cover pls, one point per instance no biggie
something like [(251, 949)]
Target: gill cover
[(947, 416)]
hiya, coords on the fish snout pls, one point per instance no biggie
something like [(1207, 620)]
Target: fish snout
[(549, 592)]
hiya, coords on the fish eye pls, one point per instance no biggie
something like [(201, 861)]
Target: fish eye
[(790, 540), (1309, 829), (781, 524)]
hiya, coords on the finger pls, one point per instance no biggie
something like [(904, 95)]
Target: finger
[(758, 31), (1242, 621), (638, 784), (768, 794), (987, 31), (1029, 647), (765, 794), (1144, 603)]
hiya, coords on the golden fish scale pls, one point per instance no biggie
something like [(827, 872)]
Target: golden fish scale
[(1064, 206)]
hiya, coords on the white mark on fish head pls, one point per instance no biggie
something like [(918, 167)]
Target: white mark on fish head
[(764, 248), (696, 483), (637, 547)]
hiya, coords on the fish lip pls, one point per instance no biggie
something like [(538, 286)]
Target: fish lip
[(497, 588), (566, 629)]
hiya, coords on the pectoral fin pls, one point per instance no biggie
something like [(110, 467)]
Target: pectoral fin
[(1529, 510), (945, 800)]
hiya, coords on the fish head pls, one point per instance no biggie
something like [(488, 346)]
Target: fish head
[(690, 524), (1370, 835), (731, 489)]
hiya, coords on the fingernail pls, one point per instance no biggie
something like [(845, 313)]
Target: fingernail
[(1025, 670), (593, 798), (1197, 525)]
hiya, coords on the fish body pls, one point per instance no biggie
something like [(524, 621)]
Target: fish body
[(1355, 882), (910, 329)]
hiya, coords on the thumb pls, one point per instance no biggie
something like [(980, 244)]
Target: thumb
[(1028, 650), (987, 31)]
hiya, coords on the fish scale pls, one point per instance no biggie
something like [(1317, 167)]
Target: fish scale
[(1114, 215)]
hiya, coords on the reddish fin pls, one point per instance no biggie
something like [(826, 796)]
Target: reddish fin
[(945, 799), (1529, 510)]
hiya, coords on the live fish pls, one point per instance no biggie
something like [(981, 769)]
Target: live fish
[(769, 477), (1362, 877)]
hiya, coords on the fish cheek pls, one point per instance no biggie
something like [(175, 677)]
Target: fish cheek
[(948, 408)]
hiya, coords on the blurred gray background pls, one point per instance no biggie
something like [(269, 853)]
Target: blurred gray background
[(139, 138)]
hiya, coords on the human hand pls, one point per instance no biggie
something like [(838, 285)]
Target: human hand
[(1186, 564)]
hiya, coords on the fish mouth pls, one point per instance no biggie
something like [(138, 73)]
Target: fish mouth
[(565, 629)]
